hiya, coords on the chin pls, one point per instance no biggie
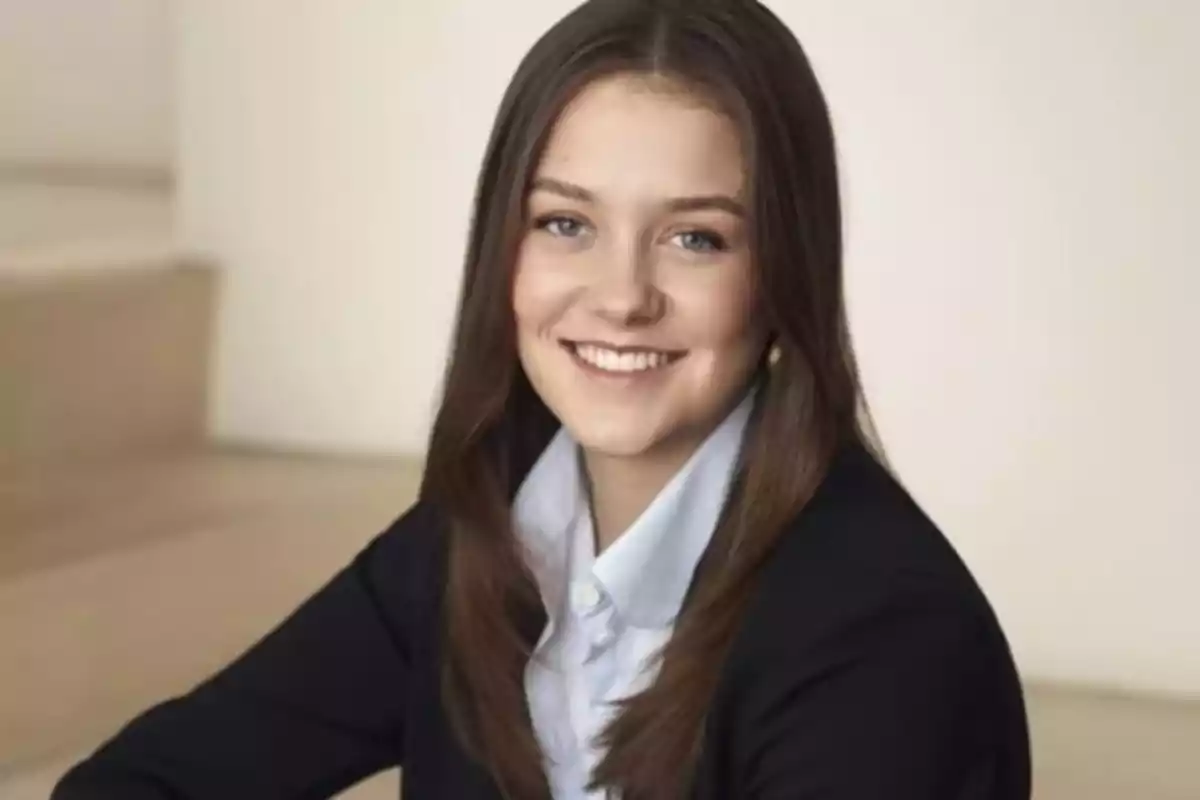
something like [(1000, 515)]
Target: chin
[(615, 442)]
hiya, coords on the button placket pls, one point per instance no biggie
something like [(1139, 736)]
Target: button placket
[(596, 618), (599, 634), (603, 634)]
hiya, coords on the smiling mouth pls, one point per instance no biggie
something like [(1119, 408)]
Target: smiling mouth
[(621, 360)]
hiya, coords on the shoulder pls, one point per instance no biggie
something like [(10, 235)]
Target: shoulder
[(410, 543), (869, 656), (863, 535), (402, 571), (863, 560)]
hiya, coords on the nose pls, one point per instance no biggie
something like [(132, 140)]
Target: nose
[(624, 292)]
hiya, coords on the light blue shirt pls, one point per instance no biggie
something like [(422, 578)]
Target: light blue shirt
[(609, 615)]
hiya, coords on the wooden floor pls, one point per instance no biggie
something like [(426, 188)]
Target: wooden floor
[(36, 782), (100, 571)]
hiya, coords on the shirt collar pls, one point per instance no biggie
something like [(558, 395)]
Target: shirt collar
[(646, 572), (546, 512)]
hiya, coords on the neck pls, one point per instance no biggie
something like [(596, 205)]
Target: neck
[(621, 488)]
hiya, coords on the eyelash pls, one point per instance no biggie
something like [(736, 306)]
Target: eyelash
[(712, 242), (547, 222)]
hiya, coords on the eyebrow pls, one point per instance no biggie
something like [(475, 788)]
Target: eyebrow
[(711, 202)]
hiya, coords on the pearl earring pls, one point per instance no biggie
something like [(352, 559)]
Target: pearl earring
[(773, 356)]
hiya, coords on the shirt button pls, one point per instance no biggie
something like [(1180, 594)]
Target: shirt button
[(603, 638), (585, 596)]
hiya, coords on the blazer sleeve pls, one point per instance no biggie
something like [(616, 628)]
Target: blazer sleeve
[(313, 708), (891, 707)]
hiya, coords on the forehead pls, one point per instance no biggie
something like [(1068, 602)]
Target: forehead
[(631, 135)]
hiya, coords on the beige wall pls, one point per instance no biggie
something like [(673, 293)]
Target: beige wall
[(1020, 179), (86, 121), (1022, 191), (85, 81), (311, 166)]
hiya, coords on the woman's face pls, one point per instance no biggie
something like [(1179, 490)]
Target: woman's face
[(634, 289)]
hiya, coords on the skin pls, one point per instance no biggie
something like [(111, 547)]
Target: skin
[(636, 238)]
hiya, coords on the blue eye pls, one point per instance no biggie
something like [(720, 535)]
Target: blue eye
[(702, 242), (565, 227)]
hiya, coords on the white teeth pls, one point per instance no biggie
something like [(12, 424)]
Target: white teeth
[(612, 361)]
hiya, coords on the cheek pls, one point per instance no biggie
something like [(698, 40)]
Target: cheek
[(723, 316), (541, 294)]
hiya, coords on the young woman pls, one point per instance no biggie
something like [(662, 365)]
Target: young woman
[(654, 556)]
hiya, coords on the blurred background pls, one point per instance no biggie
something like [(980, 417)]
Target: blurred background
[(230, 241)]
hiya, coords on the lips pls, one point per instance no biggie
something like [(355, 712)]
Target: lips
[(622, 360)]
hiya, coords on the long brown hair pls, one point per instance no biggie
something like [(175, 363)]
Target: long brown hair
[(492, 425)]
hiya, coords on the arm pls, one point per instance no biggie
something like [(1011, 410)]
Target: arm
[(900, 706), (314, 707)]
